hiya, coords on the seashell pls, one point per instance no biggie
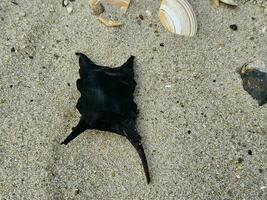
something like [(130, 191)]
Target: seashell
[(216, 3), (229, 2), (69, 9), (177, 16), (254, 76), (121, 4), (109, 22), (96, 7)]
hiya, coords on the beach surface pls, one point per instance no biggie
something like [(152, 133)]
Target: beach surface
[(204, 136)]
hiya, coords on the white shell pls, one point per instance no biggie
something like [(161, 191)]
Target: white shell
[(69, 9), (109, 23), (177, 16), (229, 2)]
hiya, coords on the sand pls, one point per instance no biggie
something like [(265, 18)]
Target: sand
[(196, 121)]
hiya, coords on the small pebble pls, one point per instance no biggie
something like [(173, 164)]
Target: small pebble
[(14, 2), (220, 45), (56, 56), (240, 160), (148, 12), (234, 27), (263, 29), (77, 191), (22, 14), (69, 9), (51, 9), (65, 3), (263, 187)]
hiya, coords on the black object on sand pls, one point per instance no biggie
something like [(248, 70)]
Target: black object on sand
[(255, 83), (107, 103)]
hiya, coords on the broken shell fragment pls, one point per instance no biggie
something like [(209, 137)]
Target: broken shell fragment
[(69, 9), (96, 7), (109, 22), (121, 4), (65, 3), (229, 2), (254, 76), (216, 3), (177, 16)]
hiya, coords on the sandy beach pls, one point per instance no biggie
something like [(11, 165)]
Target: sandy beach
[(204, 136)]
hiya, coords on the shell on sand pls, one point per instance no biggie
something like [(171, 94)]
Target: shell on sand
[(177, 16), (109, 22), (229, 2), (216, 3)]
